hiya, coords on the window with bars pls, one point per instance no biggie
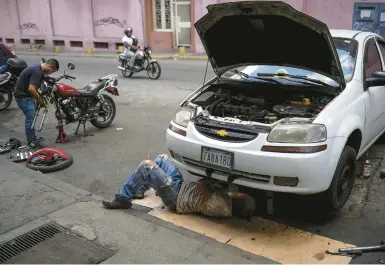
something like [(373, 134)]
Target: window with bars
[(163, 15)]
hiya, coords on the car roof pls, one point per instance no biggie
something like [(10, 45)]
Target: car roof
[(352, 34)]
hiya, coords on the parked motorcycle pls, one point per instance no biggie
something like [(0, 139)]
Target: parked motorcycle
[(142, 62), (9, 74), (78, 105)]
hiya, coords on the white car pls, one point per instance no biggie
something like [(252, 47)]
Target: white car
[(308, 103)]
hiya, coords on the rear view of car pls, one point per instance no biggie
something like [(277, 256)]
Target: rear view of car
[(5, 54)]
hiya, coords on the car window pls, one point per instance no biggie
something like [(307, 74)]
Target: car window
[(372, 59), (347, 50)]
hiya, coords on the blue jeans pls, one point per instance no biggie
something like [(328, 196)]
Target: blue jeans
[(166, 188), (27, 105)]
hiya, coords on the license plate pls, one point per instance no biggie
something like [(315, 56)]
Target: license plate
[(217, 157)]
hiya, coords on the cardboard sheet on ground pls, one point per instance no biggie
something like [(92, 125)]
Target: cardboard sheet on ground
[(262, 237)]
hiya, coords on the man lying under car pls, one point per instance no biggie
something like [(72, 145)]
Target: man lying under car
[(203, 196)]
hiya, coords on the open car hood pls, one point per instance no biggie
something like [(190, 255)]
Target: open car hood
[(267, 33)]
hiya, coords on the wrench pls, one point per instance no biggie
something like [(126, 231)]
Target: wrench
[(352, 255)]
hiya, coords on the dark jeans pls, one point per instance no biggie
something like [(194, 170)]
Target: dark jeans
[(27, 105), (156, 178)]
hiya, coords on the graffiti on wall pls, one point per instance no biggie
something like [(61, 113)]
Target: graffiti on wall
[(29, 26), (110, 21), (365, 26)]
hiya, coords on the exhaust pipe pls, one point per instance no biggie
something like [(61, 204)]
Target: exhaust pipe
[(121, 68)]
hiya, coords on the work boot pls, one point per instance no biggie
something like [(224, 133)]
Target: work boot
[(243, 205), (117, 203), (139, 195)]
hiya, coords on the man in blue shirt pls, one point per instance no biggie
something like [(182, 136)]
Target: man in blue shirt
[(204, 196), (26, 94)]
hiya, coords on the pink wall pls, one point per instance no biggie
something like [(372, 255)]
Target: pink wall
[(87, 21), (337, 14)]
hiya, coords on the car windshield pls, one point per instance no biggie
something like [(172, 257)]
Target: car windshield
[(347, 53)]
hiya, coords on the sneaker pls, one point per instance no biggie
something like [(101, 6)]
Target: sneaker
[(118, 203), (34, 145), (139, 195)]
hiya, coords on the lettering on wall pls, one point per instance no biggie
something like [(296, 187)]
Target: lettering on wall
[(28, 26), (110, 21)]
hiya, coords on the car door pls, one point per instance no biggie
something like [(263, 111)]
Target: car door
[(374, 96)]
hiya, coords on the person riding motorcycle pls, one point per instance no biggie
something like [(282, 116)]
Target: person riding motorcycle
[(130, 46)]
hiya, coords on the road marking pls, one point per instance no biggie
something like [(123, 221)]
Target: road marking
[(262, 237)]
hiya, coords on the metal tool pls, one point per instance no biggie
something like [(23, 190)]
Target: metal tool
[(364, 249), (380, 260), (352, 254), (37, 111)]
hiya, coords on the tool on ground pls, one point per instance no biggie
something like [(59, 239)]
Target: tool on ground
[(381, 261), (357, 251), (365, 249), (352, 254)]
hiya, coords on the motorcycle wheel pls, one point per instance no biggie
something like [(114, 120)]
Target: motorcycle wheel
[(54, 165), (7, 101), (126, 73), (150, 73), (109, 103)]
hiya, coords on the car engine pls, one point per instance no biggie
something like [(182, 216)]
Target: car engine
[(70, 110), (257, 108)]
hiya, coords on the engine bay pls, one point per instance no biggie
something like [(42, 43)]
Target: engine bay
[(252, 105)]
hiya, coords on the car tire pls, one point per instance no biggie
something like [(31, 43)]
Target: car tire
[(331, 199)]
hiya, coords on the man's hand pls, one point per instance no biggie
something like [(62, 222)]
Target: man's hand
[(150, 163), (165, 156)]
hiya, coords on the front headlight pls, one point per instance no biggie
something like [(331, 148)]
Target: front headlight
[(298, 133), (183, 116)]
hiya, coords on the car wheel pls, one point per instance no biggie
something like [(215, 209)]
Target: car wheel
[(337, 195)]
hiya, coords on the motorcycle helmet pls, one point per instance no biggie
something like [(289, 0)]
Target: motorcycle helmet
[(126, 30)]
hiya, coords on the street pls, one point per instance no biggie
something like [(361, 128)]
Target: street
[(144, 109)]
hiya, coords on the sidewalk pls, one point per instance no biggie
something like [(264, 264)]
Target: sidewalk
[(156, 56), (90, 233)]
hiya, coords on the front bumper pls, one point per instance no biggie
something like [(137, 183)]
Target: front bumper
[(255, 168)]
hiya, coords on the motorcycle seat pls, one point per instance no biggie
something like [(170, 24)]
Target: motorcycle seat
[(92, 88), (4, 77)]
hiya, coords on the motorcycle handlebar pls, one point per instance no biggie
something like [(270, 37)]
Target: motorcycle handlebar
[(70, 77)]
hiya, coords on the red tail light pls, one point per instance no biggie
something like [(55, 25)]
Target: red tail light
[(10, 50)]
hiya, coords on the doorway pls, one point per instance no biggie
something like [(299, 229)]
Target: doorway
[(182, 22)]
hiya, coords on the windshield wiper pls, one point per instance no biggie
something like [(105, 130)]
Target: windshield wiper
[(241, 74), (297, 77)]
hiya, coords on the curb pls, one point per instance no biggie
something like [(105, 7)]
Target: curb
[(156, 57)]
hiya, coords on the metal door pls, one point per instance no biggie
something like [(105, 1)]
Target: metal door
[(367, 17), (182, 23)]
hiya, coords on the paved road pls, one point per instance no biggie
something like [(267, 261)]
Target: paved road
[(145, 107)]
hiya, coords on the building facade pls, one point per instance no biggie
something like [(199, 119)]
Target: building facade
[(76, 25)]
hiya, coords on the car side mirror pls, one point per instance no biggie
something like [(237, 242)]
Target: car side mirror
[(377, 79), (71, 66)]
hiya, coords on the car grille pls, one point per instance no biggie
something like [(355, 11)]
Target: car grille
[(230, 134), (251, 176)]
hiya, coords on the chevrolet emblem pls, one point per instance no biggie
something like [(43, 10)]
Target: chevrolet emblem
[(222, 133)]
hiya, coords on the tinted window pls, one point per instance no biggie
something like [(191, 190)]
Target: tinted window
[(372, 58)]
